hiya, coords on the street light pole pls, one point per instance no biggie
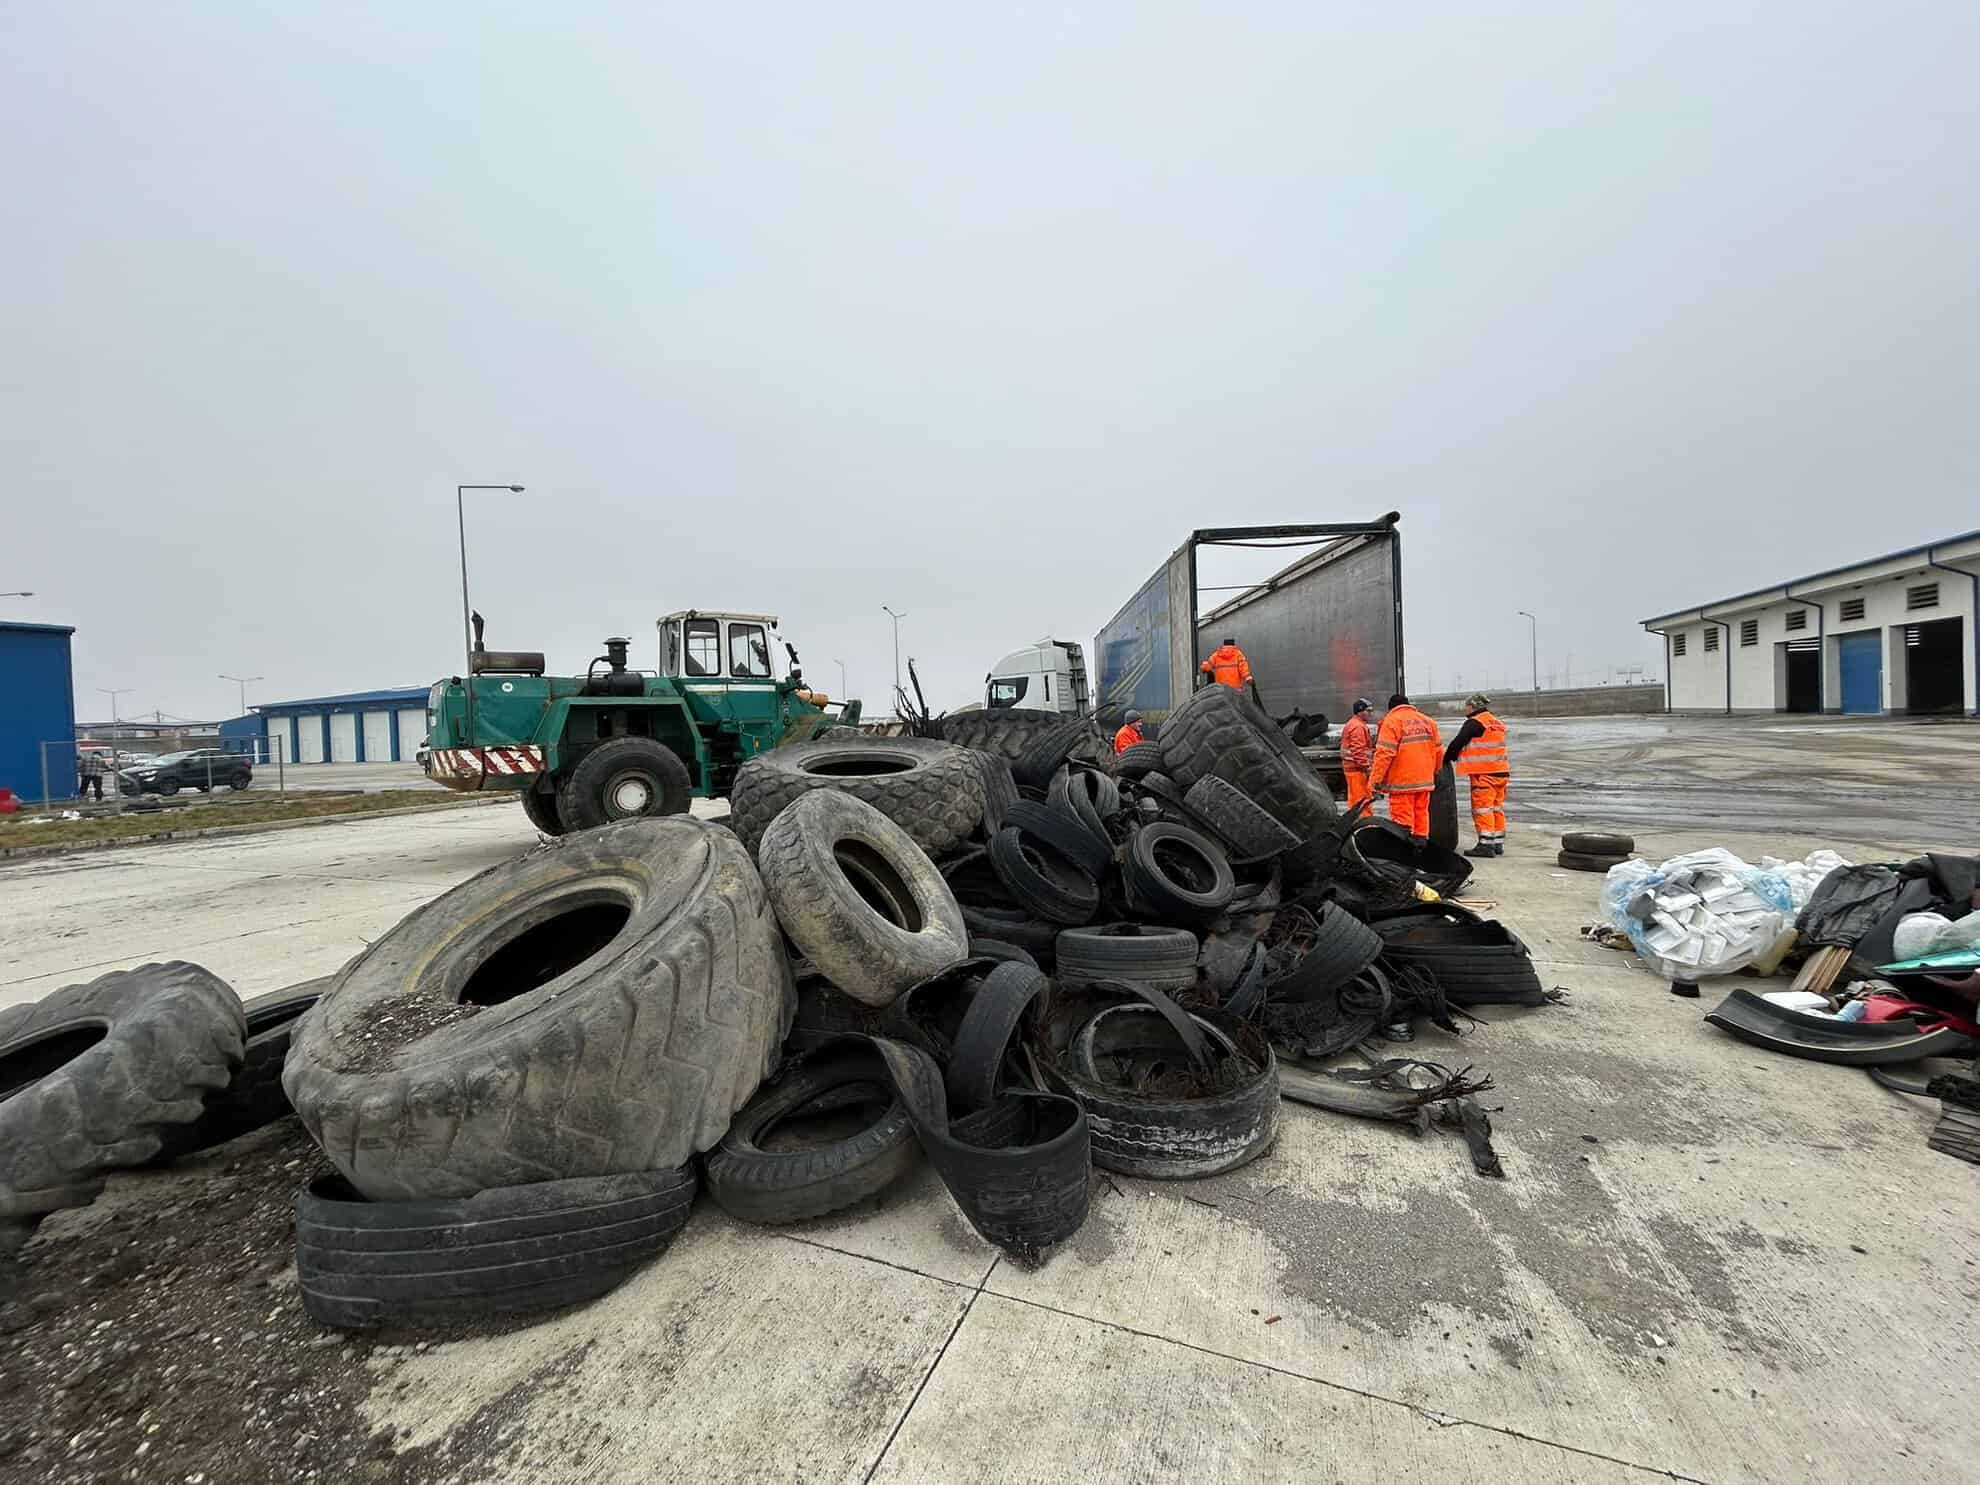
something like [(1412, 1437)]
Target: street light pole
[(243, 680), (467, 622), (19, 593), (1535, 636), (897, 643), (843, 688), (116, 773)]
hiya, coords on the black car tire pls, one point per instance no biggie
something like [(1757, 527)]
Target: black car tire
[(825, 1015), (753, 1184), (999, 791), (540, 807), (1343, 946), (607, 781), (1172, 1139), (507, 1250), (1250, 828), (1012, 925), (995, 1013), (1177, 876), (1160, 958), (858, 896), (632, 989), (245, 781), (1138, 759), (254, 1096), (169, 788), (1583, 861), (93, 1076), (1598, 843), (932, 790), (1043, 882), (1444, 809), (1474, 961), (1063, 832), (1218, 733)]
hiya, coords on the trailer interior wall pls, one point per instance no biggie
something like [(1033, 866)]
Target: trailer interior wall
[(1322, 631)]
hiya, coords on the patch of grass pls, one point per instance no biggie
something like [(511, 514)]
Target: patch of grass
[(245, 809)]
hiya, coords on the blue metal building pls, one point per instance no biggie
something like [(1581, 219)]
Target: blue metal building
[(40, 707), (357, 727)]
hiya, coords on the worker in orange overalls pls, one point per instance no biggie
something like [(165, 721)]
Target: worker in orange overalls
[(1227, 665), (1406, 760), (1358, 753), (1479, 753), (1130, 733)]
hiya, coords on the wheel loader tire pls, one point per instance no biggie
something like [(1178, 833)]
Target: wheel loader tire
[(932, 790), (93, 1076), (510, 1250), (1597, 843), (603, 1004), (858, 897), (1139, 759), (1219, 734), (628, 778), (1587, 861), (540, 806), (753, 1184), (1007, 731), (254, 1097)]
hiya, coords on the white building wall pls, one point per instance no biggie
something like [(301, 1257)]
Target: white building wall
[(1698, 677)]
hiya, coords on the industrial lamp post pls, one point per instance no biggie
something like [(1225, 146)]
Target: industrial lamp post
[(1535, 636), (897, 643), (243, 682)]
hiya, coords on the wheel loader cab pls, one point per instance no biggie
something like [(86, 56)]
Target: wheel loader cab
[(724, 665)]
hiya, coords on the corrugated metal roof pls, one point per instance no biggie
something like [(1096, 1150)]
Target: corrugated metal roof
[(399, 696), (1813, 577)]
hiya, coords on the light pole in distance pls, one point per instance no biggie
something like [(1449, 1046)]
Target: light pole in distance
[(897, 643), (1534, 627), (243, 680), (467, 623), (842, 678)]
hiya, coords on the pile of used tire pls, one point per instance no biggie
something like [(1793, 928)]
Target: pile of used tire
[(1594, 850), (1001, 951)]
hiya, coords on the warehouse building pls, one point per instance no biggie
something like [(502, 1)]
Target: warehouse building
[(360, 727), (1893, 634), (38, 720)]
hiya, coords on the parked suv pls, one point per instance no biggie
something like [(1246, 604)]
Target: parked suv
[(200, 769)]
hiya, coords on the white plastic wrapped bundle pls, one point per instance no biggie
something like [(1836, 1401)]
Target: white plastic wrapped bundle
[(1702, 913)]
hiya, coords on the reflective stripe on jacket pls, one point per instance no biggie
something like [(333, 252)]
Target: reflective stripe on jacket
[(1406, 752), (1357, 744), (1227, 666), (1486, 753), (1127, 737)]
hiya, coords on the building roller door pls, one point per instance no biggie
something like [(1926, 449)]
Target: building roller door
[(309, 737), (343, 737), (281, 746), (412, 732), (377, 737)]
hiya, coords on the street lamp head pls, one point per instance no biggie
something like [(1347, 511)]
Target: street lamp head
[(517, 488)]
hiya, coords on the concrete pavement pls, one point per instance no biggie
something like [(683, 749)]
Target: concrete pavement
[(1705, 1262)]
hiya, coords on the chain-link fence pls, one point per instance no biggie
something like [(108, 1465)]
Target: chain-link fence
[(102, 777)]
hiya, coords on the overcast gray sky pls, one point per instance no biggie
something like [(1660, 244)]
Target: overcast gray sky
[(970, 310)]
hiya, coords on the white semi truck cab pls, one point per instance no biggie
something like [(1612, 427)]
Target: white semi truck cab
[(1049, 676)]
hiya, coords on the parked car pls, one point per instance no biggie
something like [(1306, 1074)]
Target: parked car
[(201, 769)]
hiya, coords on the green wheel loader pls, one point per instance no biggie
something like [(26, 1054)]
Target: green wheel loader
[(615, 742)]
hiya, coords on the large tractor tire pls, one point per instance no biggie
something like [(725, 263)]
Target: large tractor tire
[(602, 1005), (540, 805), (1008, 731), (1218, 733), (627, 778), (94, 1076), (932, 790)]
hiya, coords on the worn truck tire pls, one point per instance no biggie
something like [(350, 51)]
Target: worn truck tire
[(1444, 809), (1252, 830), (92, 1077), (1219, 734), (753, 1184), (1598, 843), (932, 790), (859, 897), (628, 778), (1015, 926), (1138, 759), (601, 1005), (1177, 876), (1043, 755), (254, 1097), (1343, 946), (999, 790), (1171, 1139), (1582, 861), (1042, 881), (540, 808), (1161, 958), (1063, 831), (1006, 731), (509, 1250)]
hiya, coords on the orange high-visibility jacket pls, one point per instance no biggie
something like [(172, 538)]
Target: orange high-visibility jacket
[(1406, 752), (1357, 744), (1227, 666), (1127, 737), (1485, 754)]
